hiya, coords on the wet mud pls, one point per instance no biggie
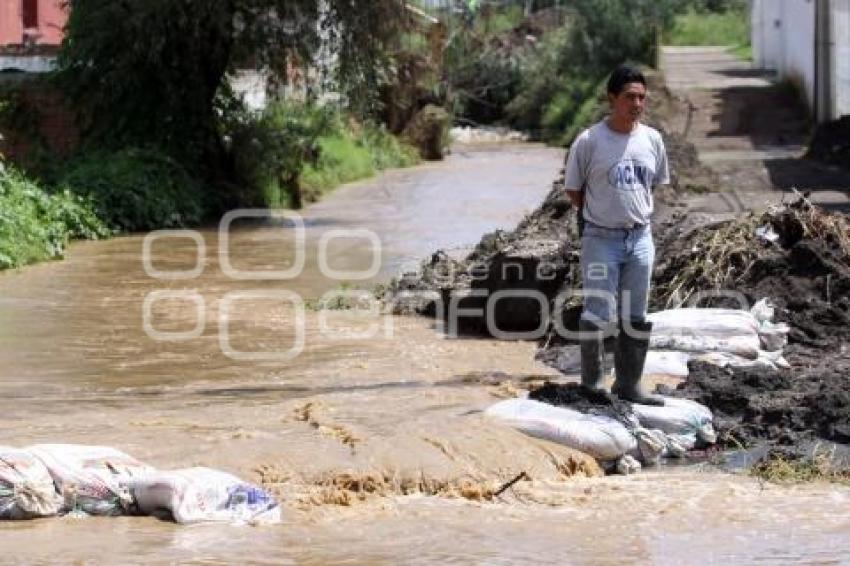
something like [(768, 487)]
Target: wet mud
[(831, 142), (792, 414), (580, 399)]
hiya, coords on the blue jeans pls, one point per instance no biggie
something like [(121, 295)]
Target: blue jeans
[(616, 268)]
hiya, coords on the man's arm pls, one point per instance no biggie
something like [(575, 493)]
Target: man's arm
[(575, 174)]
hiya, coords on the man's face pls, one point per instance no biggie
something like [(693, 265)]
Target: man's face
[(628, 105)]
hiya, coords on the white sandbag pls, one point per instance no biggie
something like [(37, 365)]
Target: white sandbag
[(601, 437), (26, 487), (704, 322), (661, 362), (746, 346), (678, 417), (92, 479), (768, 360), (763, 311), (774, 337), (201, 495)]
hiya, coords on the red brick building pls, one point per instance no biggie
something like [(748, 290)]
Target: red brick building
[(30, 33)]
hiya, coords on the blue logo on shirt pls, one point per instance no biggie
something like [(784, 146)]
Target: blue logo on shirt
[(630, 175)]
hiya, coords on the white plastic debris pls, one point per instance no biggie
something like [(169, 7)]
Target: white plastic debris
[(26, 487), (92, 479), (202, 495), (767, 233)]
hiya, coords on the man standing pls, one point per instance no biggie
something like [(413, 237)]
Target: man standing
[(610, 173)]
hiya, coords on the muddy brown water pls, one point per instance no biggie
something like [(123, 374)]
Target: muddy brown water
[(375, 446)]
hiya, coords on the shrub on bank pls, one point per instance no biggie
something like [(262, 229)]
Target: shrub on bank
[(292, 153), (36, 225), (136, 189)]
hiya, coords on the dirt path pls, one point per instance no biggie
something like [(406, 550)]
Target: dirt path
[(751, 130)]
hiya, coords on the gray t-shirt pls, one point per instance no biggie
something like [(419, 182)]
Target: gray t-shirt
[(618, 172)]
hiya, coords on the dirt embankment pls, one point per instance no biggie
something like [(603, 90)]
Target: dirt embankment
[(797, 256)]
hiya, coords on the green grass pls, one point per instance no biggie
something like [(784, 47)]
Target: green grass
[(36, 225), (694, 28), (744, 52), (345, 157)]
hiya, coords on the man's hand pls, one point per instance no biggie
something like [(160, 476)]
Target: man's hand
[(577, 198)]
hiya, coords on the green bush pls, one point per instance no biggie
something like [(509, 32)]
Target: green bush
[(136, 189), (36, 225), (387, 151), (590, 111), (293, 152), (270, 149)]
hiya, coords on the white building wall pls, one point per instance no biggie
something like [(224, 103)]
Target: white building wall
[(797, 59), (766, 33), (840, 32)]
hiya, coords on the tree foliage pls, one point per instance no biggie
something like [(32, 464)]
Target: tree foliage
[(150, 72)]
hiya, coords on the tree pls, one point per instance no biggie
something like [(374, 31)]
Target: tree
[(151, 71)]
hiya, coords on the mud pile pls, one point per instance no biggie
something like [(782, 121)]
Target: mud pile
[(797, 256), (580, 399), (665, 113), (793, 413)]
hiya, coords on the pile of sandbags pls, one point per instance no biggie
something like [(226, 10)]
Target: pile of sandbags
[(622, 443), (724, 337), (57, 479)]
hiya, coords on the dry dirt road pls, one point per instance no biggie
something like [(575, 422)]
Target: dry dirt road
[(751, 130)]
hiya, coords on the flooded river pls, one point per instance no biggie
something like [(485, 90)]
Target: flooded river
[(368, 429)]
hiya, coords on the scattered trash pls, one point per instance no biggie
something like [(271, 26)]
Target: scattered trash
[(767, 233)]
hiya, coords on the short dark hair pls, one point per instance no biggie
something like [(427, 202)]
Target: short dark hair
[(623, 75)]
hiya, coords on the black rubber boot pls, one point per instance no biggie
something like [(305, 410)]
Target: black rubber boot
[(592, 355), (629, 358)]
